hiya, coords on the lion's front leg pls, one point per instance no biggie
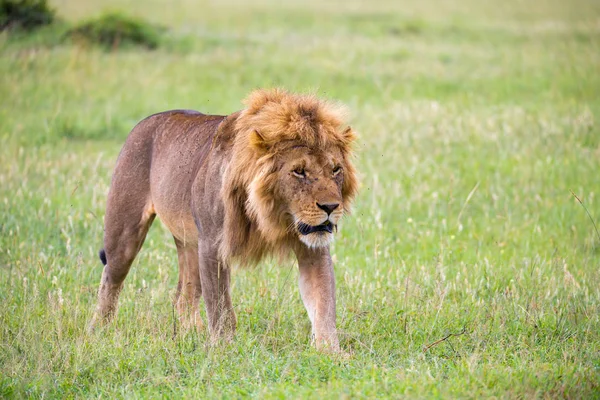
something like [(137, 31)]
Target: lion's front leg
[(215, 277), (189, 289), (317, 288)]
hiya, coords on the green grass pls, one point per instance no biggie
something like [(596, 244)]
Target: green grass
[(476, 122)]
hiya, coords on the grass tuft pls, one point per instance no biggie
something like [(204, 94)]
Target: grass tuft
[(116, 30), (25, 15)]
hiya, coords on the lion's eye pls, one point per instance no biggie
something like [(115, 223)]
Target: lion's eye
[(337, 170), (299, 172)]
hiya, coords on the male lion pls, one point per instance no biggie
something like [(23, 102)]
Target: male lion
[(273, 178)]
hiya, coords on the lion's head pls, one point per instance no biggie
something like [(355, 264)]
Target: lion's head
[(291, 177)]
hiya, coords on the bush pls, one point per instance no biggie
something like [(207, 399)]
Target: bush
[(114, 30), (24, 14)]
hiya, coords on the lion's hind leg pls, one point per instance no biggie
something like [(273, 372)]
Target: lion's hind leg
[(126, 225), (189, 291)]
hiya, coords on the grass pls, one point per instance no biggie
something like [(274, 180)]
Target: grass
[(477, 120)]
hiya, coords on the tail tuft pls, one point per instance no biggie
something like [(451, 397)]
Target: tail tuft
[(102, 255)]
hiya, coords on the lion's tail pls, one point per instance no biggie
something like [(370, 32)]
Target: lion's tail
[(102, 255)]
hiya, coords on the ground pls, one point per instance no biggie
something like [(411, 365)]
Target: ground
[(479, 154)]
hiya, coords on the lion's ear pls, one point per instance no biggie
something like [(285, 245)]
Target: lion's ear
[(348, 134), (258, 141)]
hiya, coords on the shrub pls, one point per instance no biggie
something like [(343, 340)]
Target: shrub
[(24, 14), (113, 30)]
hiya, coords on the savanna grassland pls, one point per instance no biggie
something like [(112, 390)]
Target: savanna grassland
[(478, 125)]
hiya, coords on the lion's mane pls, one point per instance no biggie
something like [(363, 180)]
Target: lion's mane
[(252, 226)]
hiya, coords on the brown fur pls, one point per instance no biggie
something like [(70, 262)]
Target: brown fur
[(233, 190)]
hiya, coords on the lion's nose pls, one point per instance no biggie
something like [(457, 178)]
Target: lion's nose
[(328, 208)]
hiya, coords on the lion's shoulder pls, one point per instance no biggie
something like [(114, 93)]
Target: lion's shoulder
[(226, 131)]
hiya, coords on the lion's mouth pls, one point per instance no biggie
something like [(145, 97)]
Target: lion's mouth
[(306, 229)]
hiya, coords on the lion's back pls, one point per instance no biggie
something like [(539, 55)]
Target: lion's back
[(170, 146)]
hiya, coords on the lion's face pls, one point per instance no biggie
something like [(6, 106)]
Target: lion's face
[(310, 188)]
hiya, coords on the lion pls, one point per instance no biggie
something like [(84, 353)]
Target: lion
[(272, 179)]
